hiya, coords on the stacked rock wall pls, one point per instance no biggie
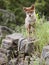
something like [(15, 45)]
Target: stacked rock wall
[(16, 48), (45, 55)]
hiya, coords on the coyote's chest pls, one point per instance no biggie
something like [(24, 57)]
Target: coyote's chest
[(30, 20)]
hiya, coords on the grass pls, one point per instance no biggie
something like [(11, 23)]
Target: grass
[(42, 32)]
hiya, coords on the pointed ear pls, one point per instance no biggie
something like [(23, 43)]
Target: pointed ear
[(24, 8), (32, 6)]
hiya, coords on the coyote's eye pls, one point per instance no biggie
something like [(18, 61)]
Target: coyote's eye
[(27, 12), (31, 12)]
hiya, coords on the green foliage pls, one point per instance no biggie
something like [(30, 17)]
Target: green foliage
[(16, 6), (42, 32), (42, 7), (2, 4)]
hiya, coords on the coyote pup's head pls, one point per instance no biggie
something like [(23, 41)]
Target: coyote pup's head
[(29, 10)]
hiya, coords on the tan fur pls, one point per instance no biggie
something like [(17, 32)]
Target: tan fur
[(30, 19)]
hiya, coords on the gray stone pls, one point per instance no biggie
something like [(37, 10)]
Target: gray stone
[(14, 36), (4, 51), (16, 46), (47, 58), (21, 44), (13, 61), (3, 59), (11, 48), (44, 51), (47, 61), (21, 61), (6, 43), (27, 60), (8, 53), (25, 45), (10, 43), (45, 55)]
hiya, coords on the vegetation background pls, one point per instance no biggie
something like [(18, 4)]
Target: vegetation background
[(16, 7)]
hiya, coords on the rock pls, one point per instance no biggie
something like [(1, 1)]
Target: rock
[(45, 55), (4, 51), (18, 49), (27, 60), (44, 51), (3, 59), (47, 58), (21, 61), (13, 61), (47, 61), (21, 44), (6, 43), (10, 43), (14, 36), (25, 46)]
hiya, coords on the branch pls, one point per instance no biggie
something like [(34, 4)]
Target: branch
[(7, 29)]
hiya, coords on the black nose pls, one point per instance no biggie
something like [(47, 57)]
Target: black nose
[(29, 15)]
